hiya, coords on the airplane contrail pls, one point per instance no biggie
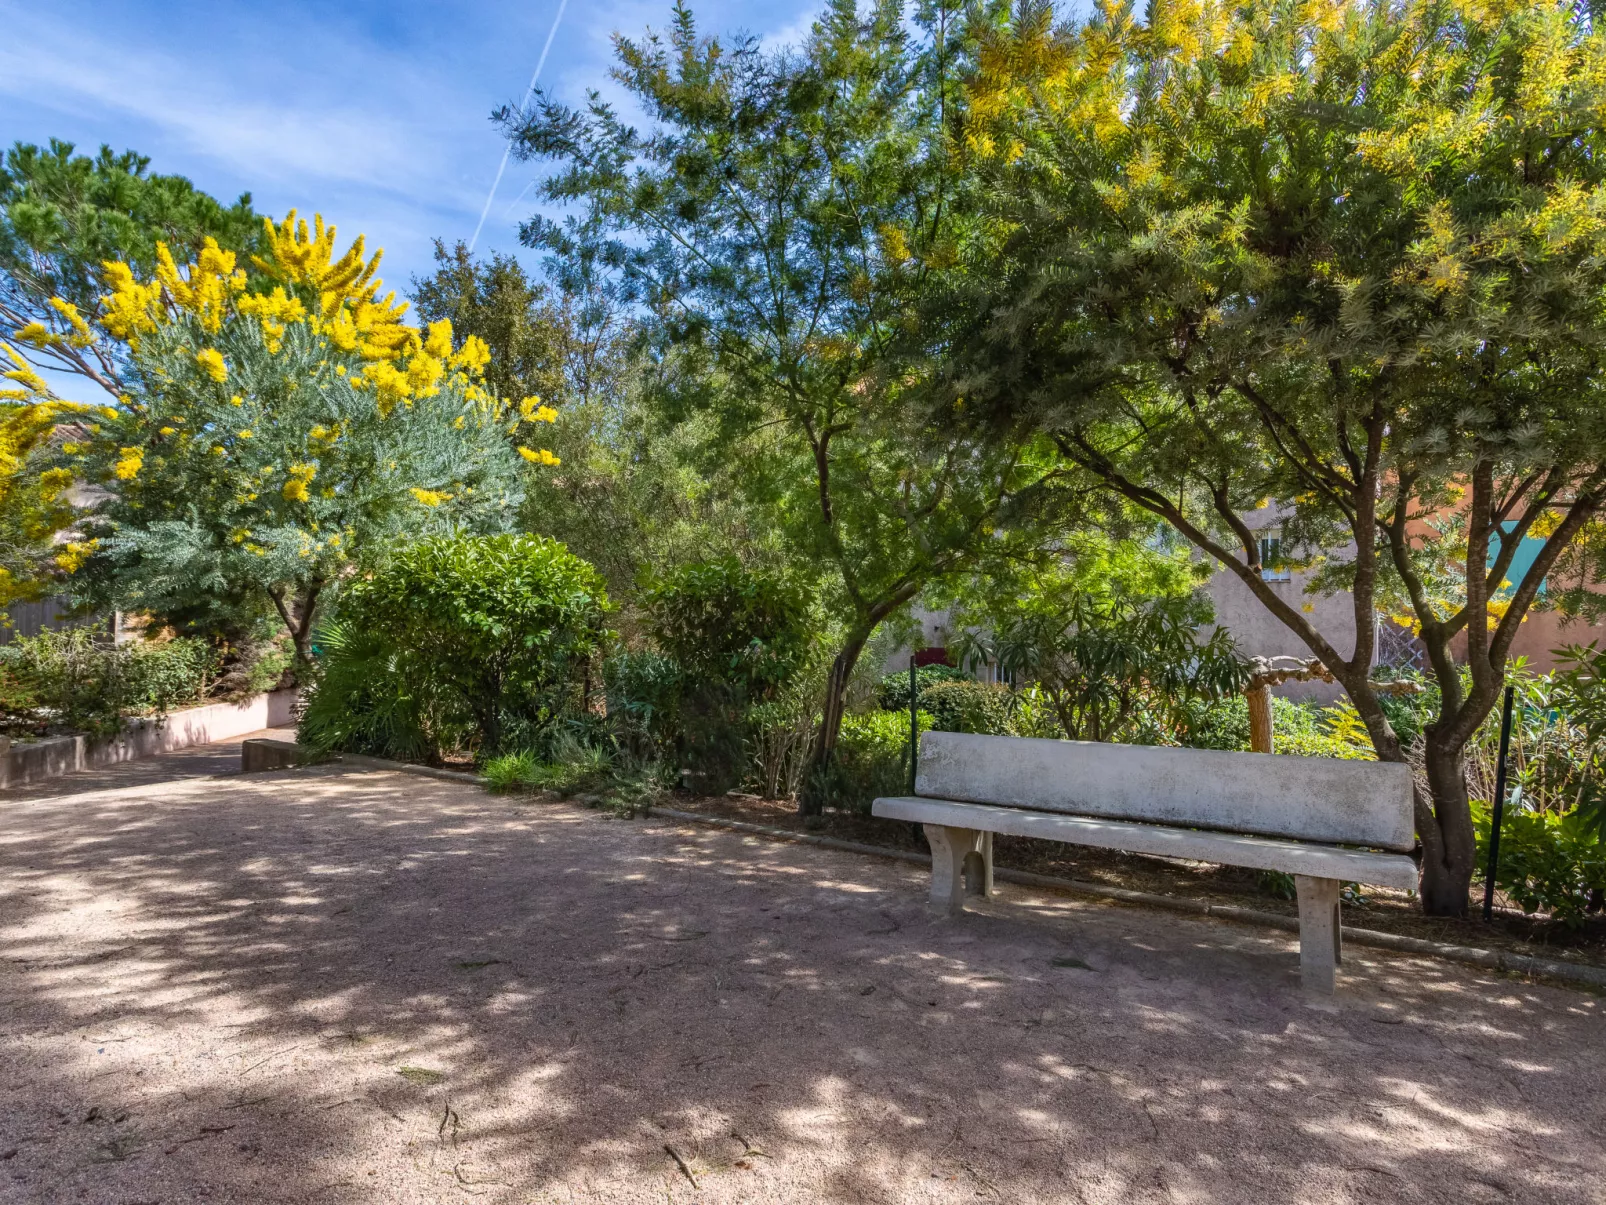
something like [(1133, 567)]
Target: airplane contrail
[(508, 149)]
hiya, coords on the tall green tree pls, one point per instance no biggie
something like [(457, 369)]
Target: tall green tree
[(62, 215), (1346, 258), (775, 223)]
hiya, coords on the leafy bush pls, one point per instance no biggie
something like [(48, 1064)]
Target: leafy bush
[(77, 681), (892, 693), (1549, 861), (730, 624), (643, 689), (1297, 729), (497, 631), (619, 782), (871, 758), (968, 706), (1113, 668), (739, 636), (367, 696)]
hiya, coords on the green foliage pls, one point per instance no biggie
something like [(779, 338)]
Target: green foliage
[(366, 695), (64, 215), (499, 629), (773, 223), (611, 779), (872, 759), (1314, 269), (1549, 862), (643, 689), (892, 692), (79, 682), (964, 705), (493, 300), (1115, 668), (1297, 729), (730, 624)]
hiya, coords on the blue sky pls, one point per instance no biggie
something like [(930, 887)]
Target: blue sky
[(374, 114)]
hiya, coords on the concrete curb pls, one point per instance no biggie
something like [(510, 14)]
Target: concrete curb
[(1494, 960)]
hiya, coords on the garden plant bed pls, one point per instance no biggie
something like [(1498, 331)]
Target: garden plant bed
[(1379, 909)]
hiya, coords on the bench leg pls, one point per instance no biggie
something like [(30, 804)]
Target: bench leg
[(961, 865), (1320, 937)]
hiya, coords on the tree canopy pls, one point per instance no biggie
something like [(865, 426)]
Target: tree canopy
[(774, 224), (1344, 258), (64, 215)]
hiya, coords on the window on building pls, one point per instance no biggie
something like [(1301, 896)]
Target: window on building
[(1273, 568)]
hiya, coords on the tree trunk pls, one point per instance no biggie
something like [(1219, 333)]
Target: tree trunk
[(1259, 698), (811, 801), (1449, 851), (299, 623)]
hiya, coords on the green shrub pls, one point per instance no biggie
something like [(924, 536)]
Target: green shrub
[(726, 623), (618, 782), (964, 705), (367, 696), (511, 772), (77, 681), (1297, 729), (871, 758), (643, 691), (497, 632), (892, 693), (1551, 862), (738, 635)]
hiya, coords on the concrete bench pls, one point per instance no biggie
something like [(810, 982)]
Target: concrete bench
[(1324, 821)]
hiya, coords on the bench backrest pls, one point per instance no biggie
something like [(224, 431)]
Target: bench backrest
[(1306, 798)]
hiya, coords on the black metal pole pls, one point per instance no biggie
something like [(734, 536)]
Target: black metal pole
[(914, 725), (1499, 807)]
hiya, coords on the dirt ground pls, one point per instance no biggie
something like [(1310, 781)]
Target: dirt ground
[(327, 986)]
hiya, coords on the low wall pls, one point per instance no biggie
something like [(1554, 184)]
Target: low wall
[(146, 737)]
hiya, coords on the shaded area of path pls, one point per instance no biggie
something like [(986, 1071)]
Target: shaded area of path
[(328, 986)]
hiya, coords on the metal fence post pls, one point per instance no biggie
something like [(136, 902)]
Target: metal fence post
[(914, 725), (1499, 807)]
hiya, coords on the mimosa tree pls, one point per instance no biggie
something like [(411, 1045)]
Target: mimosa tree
[(279, 429), (1346, 257)]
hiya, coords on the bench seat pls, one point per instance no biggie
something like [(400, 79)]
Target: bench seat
[(1200, 845)]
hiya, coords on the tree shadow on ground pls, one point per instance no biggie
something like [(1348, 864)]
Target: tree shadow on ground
[(328, 986)]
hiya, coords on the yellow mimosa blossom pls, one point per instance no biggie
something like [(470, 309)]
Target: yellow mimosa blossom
[(36, 334), (295, 488), (53, 481), (211, 359), (168, 431), (390, 386), (82, 336), (74, 553), (130, 309), (539, 457), (236, 400), (427, 497), (473, 356), (246, 434), (532, 411), (33, 385), (438, 342), (129, 464)]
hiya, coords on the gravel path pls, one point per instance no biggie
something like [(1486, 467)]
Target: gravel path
[(325, 986)]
